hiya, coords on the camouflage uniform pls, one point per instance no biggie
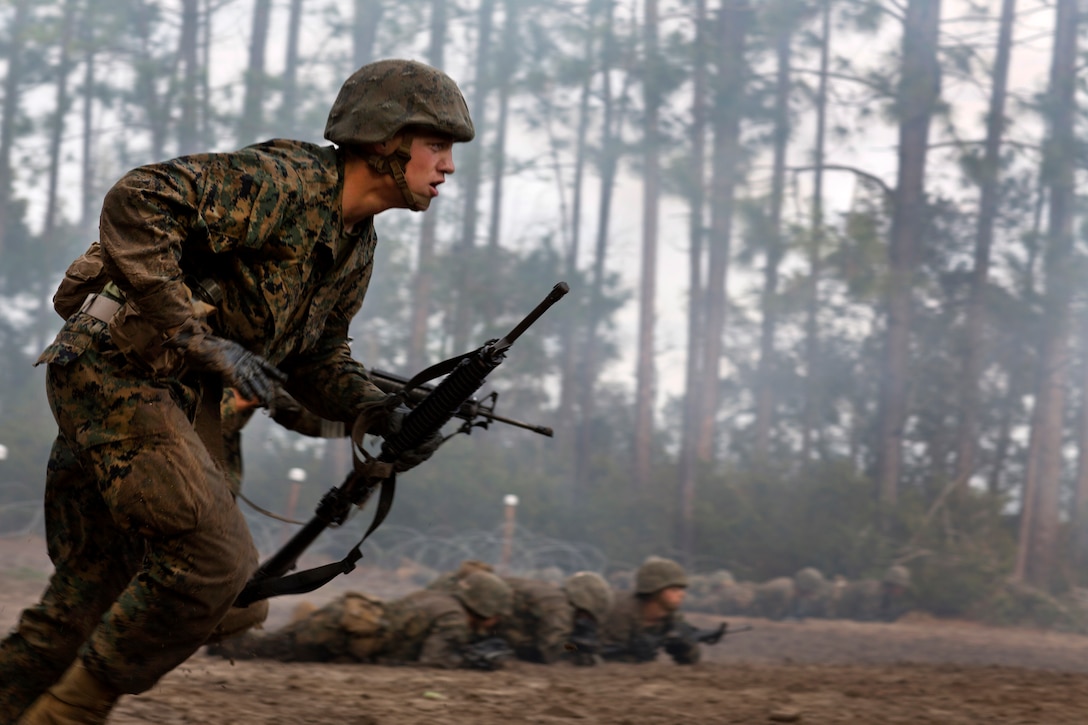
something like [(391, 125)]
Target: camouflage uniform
[(626, 638), (542, 618), (541, 623), (773, 598), (812, 594), (149, 547), (871, 600), (426, 627), (235, 414), (859, 600)]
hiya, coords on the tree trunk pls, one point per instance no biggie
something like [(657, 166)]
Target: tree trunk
[(466, 284), (364, 31), (49, 240), (288, 123), (725, 120), (1079, 511), (506, 70), (967, 435), (611, 150), (686, 468), (568, 373), (764, 377), (1016, 384), (206, 114), (645, 384), (425, 263), (815, 249), (919, 90), (12, 98), (190, 76), (251, 123), (87, 210), (1039, 520)]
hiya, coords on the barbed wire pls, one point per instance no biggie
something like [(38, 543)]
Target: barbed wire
[(392, 546)]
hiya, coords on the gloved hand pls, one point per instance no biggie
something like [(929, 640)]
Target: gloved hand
[(678, 646), (254, 377), (414, 456)]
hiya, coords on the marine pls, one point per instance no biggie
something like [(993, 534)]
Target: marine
[(426, 627), (647, 620), (148, 545)]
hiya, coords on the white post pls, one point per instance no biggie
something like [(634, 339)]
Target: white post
[(511, 503)]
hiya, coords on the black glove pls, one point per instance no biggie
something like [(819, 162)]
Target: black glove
[(413, 456), (678, 646), (254, 377), (644, 647)]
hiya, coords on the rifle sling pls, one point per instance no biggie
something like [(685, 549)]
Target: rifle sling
[(436, 370), (310, 579)]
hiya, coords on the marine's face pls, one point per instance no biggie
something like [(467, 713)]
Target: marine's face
[(432, 160), (671, 598)]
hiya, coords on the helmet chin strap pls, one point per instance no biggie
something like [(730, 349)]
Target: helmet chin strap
[(394, 166)]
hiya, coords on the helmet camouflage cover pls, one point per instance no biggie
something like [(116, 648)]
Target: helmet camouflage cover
[(898, 575), (589, 591), (383, 97), (808, 580), (658, 573), (485, 594)]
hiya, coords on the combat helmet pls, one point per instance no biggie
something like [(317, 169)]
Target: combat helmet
[(589, 591), (898, 575), (809, 580), (658, 573), (383, 97), (485, 594)]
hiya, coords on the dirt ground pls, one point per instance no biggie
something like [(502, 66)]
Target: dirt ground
[(914, 671)]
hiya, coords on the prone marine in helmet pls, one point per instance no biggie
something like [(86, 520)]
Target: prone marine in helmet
[(548, 622), (648, 619), (812, 594), (427, 627)]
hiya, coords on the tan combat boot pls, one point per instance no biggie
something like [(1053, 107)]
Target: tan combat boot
[(78, 698)]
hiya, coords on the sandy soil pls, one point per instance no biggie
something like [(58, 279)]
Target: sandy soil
[(817, 671)]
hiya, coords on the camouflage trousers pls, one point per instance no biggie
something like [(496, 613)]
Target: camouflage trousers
[(348, 629), (148, 545)]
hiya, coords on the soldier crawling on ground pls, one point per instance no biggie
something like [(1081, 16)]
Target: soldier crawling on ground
[(648, 619), (808, 594), (448, 629), (549, 622), (872, 600)]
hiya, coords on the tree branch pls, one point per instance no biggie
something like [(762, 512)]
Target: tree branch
[(853, 170)]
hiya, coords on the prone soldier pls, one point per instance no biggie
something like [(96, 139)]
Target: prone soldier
[(812, 594), (548, 622), (427, 627), (648, 619), (774, 598), (872, 600)]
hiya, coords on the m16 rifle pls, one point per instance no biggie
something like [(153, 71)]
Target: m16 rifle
[(430, 409), (487, 654), (680, 638), (475, 413)]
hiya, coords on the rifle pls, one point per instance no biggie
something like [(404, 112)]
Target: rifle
[(682, 637), (469, 410), (432, 410), (487, 654), (685, 634)]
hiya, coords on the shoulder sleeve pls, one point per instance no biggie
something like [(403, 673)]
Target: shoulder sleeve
[(211, 202)]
